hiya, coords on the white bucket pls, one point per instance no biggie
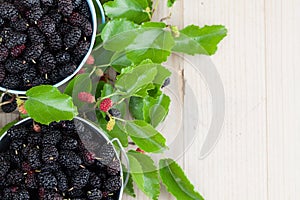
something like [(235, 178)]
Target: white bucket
[(4, 140), (93, 38)]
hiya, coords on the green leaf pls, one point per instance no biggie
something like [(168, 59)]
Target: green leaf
[(7, 126), (132, 81), (129, 189), (154, 25), (170, 3), (154, 43), (136, 105), (120, 61), (176, 182), (69, 88), (133, 10), (143, 92), (118, 132), (156, 109), (46, 104), (151, 184), (151, 43), (114, 28), (162, 74), (145, 136), (82, 83), (196, 40)]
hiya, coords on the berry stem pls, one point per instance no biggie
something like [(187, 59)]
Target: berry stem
[(5, 103), (120, 101), (119, 119), (98, 66), (22, 97)]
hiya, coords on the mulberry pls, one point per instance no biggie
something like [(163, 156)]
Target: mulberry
[(15, 66), (67, 70), (72, 37), (49, 154), (19, 25), (69, 144), (115, 112), (77, 3), (15, 177), (87, 29), (63, 57), (35, 36), (106, 104), (76, 19), (47, 180), (94, 194), (113, 183), (55, 42), (106, 154), (69, 159), (34, 158), (65, 7), (17, 50), (1, 22), (8, 11), (51, 138), (85, 10), (46, 62), (5, 165), (166, 82), (47, 26), (30, 181), (21, 195), (30, 3), (17, 132), (2, 73), (28, 76), (35, 14), (4, 52), (14, 39), (48, 2), (95, 181), (56, 17), (11, 82), (34, 139), (80, 178), (33, 52), (62, 181), (81, 49)]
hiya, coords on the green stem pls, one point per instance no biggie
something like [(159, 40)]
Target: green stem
[(119, 119), (22, 97), (120, 101), (108, 96), (98, 66), (94, 69)]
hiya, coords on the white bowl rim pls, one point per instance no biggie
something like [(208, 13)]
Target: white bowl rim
[(98, 130), (93, 38)]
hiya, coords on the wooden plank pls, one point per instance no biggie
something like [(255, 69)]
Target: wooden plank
[(283, 72), (237, 168)]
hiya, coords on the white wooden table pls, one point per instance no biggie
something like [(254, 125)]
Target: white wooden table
[(258, 154)]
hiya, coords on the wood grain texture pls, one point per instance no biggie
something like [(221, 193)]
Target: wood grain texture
[(237, 169), (283, 72)]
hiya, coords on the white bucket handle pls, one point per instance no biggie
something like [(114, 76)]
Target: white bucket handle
[(101, 11), (126, 160)]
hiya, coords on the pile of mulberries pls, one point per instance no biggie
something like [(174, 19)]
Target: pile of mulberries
[(59, 161), (42, 41)]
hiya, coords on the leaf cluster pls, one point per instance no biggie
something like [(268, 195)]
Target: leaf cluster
[(128, 69)]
